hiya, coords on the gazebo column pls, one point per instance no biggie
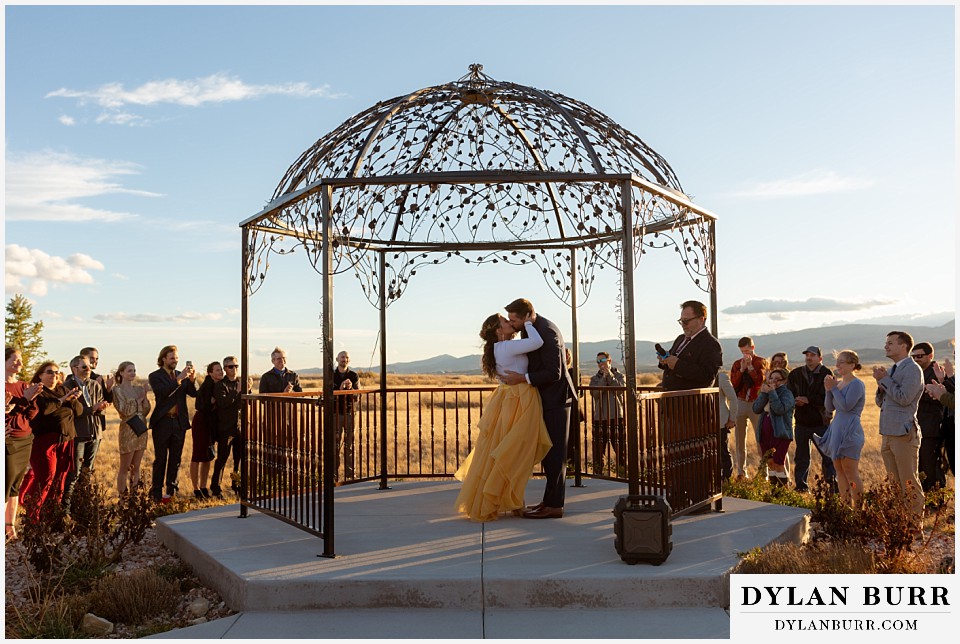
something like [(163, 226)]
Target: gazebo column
[(575, 434), (383, 371), (629, 341), (244, 369), (326, 402)]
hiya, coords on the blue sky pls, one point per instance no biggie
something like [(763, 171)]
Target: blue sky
[(137, 138)]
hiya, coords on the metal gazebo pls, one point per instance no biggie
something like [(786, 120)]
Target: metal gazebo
[(477, 171)]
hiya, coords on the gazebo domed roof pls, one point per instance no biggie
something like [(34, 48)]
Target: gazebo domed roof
[(477, 123), (485, 171)]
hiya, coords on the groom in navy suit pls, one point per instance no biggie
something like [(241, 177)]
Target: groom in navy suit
[(548, 373)]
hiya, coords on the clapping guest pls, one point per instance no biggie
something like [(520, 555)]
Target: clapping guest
[(930, 417), (943, 390), (130, 399), (279, 380), (20, 408), (774, 432), (843, 440), (90, 424), (205, 425), (746, 376), (51, 456)]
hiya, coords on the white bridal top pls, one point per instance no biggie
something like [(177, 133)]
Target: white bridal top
[(511, 355)]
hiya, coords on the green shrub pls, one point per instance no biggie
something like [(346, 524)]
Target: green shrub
[(758, 488)]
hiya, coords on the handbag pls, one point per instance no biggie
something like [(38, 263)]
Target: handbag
[(137, 425)]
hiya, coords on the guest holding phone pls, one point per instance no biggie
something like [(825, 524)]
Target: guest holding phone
[(169, 421)]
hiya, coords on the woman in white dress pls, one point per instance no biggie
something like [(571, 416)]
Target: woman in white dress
[(512, 437)]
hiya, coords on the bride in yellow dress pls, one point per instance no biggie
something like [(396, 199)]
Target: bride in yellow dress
[(512, 437)]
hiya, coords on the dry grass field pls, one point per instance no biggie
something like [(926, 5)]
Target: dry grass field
[(871, 465)]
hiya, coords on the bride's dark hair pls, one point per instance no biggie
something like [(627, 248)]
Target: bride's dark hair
[(488, 333)]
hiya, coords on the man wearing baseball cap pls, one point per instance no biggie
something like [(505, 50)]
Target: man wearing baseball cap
[(810, 416)]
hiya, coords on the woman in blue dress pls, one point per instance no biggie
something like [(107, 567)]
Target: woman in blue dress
[(843, 440)]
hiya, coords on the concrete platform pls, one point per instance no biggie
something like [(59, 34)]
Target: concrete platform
[(407, 566)]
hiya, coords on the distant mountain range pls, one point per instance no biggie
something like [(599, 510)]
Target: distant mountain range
[(866, 339)]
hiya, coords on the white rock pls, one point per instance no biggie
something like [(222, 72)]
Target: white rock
[(199, 607), (199, 620), (93, 625)]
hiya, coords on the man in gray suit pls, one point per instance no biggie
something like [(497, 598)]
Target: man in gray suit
[(898, 395)]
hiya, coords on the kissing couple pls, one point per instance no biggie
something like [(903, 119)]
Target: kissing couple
[(526, 421)]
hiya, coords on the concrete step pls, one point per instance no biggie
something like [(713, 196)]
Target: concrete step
[(384, 624), (404, 548)]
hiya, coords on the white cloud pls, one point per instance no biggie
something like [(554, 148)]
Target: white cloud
[(189, 316), (120, 118), (33, 270), (120, 276), (809, 305), (815, 182), (67, 120), (44, 186), (216, 88)]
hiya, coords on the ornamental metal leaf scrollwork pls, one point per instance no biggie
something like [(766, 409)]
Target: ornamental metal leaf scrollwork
[(416, 153)]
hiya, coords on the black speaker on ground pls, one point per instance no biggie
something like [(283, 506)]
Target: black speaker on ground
[(642, 528)]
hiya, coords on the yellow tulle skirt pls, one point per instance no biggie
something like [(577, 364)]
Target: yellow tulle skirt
[(511, 441)]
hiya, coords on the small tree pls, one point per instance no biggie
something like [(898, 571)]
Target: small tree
[(23, 334)]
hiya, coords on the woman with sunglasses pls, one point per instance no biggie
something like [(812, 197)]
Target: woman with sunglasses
[(774, 433), (843, 440), (51, 456)]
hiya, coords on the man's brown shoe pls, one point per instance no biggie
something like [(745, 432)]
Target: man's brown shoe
[(544, 512), (535, 507)]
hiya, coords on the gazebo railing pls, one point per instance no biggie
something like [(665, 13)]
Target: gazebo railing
[(429, 431), (283, 458)]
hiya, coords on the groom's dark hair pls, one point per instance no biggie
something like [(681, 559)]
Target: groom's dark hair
[(519, 307)]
